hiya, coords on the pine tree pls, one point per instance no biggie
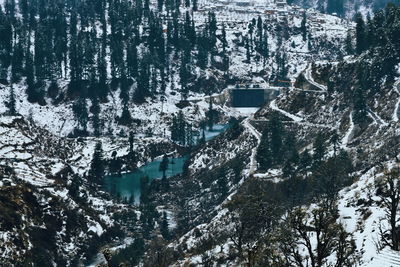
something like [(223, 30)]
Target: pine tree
[(174, 129), (164, 227), (270, 151), (223, 39), (248, 52), (181, 127), (361, 41), (115, 163), (96, 123), (132, 60), (335, 141), (360, 107), (335, 6), (202, 56), (259, 33), (303, 27), (189, 136), (131, 158), (11, 102), (143, 83), (319, 150), (210, 114), (164, 165), (349, 44), (276, 132), (212, 28), (223, 182), (131, 140), (80, 112), (194, 3), (96, 172), (144, 190), (305, 161), (160, 4), (6, 33)]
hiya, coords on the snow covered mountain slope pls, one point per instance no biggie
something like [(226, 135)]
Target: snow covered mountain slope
[(324, 38), (49, 215), (54, 215), (371, 141)]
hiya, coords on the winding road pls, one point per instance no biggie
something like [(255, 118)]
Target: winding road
[(253, 160), (346, 138), (310, 79), (273, 106), (395, 116)]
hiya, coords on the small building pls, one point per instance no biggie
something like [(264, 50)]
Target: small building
[(255, 96), (247, 98)]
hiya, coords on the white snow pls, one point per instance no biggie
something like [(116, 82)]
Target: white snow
[(295, 118), (347, 137), (395, 116)]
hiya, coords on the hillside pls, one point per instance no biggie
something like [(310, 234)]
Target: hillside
[(345, 8), (95, 91)]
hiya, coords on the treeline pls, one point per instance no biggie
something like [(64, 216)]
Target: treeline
[(101, 45), (377, 44), (379, 37), (279, 149)]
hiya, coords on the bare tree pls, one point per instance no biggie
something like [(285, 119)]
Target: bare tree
[(253, 216), (309, 238), (389, 193)]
